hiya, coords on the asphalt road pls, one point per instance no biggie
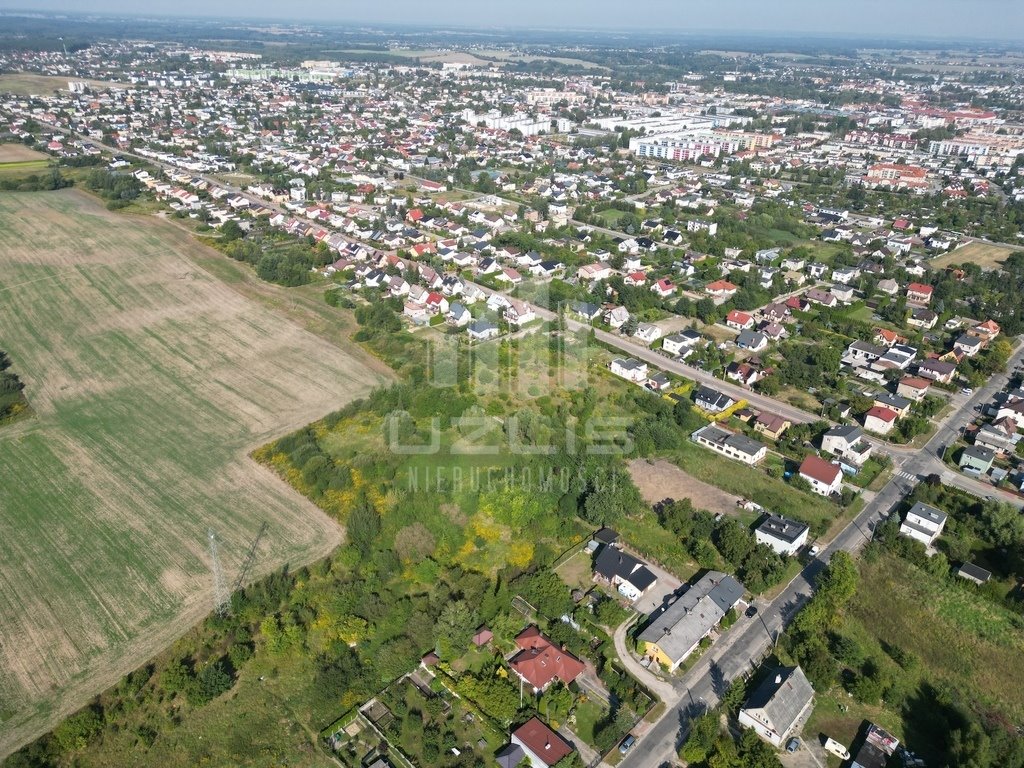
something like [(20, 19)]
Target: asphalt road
[(749, 640)]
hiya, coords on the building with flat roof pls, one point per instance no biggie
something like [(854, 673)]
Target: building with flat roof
[(781, 534)]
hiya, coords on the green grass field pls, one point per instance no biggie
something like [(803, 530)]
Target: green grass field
[(150, 381), (610, 216), (956, 637), (752, 483), (23, 167)]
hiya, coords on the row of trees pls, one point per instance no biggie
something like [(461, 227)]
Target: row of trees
[(12, 398), (756, 564)]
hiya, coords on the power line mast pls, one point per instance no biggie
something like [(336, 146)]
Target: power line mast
[(220, 592), (250, 558)]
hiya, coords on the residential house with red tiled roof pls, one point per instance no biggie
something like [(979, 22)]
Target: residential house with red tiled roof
[(540, 662), (825, 478)]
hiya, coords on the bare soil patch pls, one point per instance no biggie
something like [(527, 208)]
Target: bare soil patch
[(660, 480)]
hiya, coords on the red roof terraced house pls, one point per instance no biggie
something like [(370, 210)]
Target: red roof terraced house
[(540, 662)]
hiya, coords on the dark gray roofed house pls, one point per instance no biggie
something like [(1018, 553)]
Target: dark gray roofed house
[(976, 460), (510, 756), (606, 536), (775, 709), (712, 400), (783, 535), (974, 573), (622, 570), (738, 447)]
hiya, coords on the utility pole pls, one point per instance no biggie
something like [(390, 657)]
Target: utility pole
[(220, 592)]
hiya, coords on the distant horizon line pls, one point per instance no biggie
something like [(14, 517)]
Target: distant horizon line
[(760, 34)]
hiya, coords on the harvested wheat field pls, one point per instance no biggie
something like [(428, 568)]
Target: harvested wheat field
[(19, 153), (985, 255), (151, 381)]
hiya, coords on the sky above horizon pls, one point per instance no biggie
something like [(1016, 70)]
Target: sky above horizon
[(952, 19)]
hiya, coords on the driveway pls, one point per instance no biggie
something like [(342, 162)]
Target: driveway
[(660, 688), (665, 587), (810, 755)]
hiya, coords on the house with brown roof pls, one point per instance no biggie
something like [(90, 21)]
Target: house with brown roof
[(721, 289), (937, 370), (482, 636), (825, 478), (913, 388), (540, 662), (987, 331), (771, 425), (536, 742)]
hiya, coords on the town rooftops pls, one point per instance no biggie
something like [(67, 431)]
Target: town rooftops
[(629, 363), (614, 563), (974, 573), (712, 397), (983, 455), (895, 402), (715, 434), (883, 414), (927, 512), (915, 382), (851, 433), (682, 625), (720, 286), (782, 528)]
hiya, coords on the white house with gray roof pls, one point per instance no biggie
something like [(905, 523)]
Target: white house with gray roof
[(778, 706), (733, 446), (923, 523), (783, 535)]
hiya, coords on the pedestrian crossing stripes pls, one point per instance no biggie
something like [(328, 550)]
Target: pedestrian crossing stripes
[(906, 476)]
